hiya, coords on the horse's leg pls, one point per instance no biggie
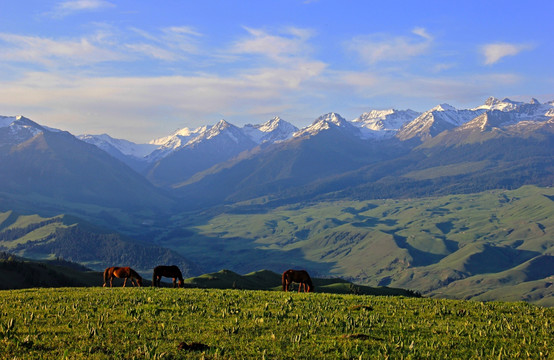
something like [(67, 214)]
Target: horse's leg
[(174, 283), (124, 282), (111, 281)]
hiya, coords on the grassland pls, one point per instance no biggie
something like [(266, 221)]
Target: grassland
[(146, 323), (474, 246)]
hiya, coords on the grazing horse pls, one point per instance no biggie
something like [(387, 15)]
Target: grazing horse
[(167, 271), (122, 272), (298, 276)]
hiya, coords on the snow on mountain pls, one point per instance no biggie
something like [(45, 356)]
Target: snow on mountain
[(178, 138), (383, 123), (432, 122), (327, 122), (223, 132), (526, 110), (221, 129), (493, 103), (17, 129), (107, 143), (274, 130), (508, 113)]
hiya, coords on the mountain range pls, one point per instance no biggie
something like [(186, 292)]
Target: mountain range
[(161, 193)]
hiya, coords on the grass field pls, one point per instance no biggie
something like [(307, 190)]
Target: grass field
[(146, 323)]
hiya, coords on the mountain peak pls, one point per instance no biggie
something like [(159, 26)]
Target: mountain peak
[(383, 123), (273, 130), (491, 101), (443, 107), (222, 125), (331, 118), (271, 124), (325, 122)]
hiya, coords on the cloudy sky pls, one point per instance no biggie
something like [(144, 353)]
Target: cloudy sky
[(141, 69)]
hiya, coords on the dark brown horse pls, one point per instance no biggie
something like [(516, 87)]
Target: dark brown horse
[(122, 272), (167, 271), (298, 276)]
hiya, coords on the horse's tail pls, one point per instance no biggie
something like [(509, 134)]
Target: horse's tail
[(106, 275), (311, 286), (136, 275), (284, 280), (179, 274), (154, 275)]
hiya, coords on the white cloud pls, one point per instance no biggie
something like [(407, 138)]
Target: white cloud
[(45, 51), (81, 103), (291, 43), (494, 52), (170, 44), (69, 7), (422, 32), (152, 51), (381, 47)]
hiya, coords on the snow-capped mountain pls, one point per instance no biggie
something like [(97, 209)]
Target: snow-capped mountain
[(383, 123), (525, 111), (432, 122), (507, 113), (56, 165), (223, 131), (125, 147), (505, 104), (179, 139), (17, 129), (271, 131), (274, 130), (132, 154), (330, 121), (209, 146)]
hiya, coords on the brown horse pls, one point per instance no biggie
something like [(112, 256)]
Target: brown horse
[(122, 272), (167, 271), (298, 276)]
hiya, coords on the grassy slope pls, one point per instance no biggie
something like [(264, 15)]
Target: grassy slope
[(268, 280), (68, 237), (97, 323), (18, 273), (421, 244)]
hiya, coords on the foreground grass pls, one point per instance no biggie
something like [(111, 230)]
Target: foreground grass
[(145, 323)]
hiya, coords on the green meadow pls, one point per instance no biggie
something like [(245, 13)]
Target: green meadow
[(164, 323)]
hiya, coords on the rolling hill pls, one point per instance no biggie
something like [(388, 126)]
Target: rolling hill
[(499, 239), (70, 238)]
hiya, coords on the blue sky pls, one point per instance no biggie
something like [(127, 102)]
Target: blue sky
[(141, 69)]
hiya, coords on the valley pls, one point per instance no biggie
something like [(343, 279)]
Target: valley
[(450, 203)]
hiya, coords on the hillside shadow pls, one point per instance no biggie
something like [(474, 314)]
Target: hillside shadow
[(243, 256), (368, 221), (420, 258)]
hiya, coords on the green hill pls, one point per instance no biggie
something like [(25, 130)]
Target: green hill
[(20, 273), (268, 280), (67, 237), (426, 245)]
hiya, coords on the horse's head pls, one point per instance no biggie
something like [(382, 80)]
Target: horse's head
[(181, 283)]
